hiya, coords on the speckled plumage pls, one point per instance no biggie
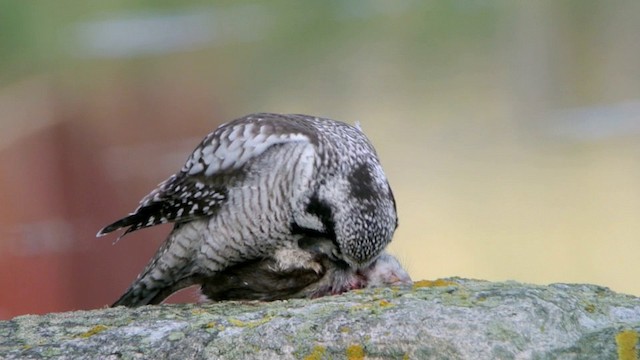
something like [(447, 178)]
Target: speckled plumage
[(257, 185)]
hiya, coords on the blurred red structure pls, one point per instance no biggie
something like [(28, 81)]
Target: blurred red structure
[(71, 167)]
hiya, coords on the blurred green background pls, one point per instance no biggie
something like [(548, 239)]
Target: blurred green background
[(509, 131)]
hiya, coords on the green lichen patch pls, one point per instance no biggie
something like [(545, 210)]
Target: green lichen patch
[(176, 335)]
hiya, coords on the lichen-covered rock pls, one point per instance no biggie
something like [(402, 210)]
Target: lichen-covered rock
[(443, 319)]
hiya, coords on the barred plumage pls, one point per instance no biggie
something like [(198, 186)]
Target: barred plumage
[(259, 184)]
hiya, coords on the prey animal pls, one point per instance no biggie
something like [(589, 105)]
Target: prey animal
[(264, 280), (252, 190)]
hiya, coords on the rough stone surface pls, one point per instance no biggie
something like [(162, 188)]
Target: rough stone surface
[(442, 319)]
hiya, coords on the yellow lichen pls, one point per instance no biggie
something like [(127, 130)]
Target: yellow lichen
[(627, 341), (316, 354), (214, 325), (94, 330), (590, 308), (249, 324), (433, 283), (355, 352), (238, 323), (373, 307), (345, 329), (360, 307)]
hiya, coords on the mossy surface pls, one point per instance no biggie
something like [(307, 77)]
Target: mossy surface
[(442, 319)]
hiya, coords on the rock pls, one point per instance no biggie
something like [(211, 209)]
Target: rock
[(443, 319)]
